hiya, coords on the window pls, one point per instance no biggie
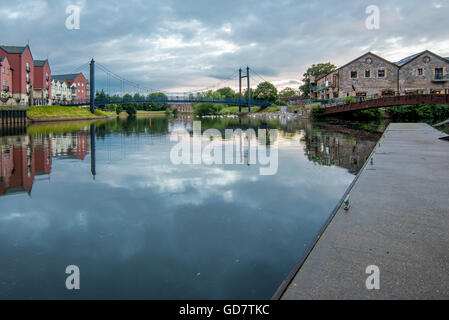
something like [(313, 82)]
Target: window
[(438, 73), (354, 74), (420, 72), (367, 73), (381, 73), (3, 69)]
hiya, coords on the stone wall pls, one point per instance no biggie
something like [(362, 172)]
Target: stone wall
[(410, 80)]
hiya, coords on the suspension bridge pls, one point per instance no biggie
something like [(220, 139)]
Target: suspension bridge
[(169, 98)]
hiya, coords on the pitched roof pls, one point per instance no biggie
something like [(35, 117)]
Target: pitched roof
[(40, 63), (447, 58), (14, 49), (404, 61), (64, 77), (366, 54), (3, 58)]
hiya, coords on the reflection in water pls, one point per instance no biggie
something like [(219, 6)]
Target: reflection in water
[(147, 229), (25, 158)]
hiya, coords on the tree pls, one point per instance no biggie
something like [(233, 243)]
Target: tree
[(226, 93), (288, 93), (315, 71), (161, 99), (266, 91)]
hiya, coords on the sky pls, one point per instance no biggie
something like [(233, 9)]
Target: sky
[(185, 46)]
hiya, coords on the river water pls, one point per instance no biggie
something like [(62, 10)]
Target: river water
[(106, 197)]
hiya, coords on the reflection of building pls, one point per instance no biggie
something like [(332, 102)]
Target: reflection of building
[(21, 162), (71, 145), (346, 150), (24, 158)]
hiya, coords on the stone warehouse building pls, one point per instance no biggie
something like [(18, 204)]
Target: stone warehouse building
[(372, 75)]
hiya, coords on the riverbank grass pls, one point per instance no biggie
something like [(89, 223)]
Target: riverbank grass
[(59, 112)]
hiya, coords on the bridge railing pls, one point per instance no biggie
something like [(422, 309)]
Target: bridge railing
[(186, 100)]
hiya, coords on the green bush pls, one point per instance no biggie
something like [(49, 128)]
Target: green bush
[(167, 112), (204, 109), (317, 111), (423, 111), (175, 112), (130, 109), (119, 109), (350, 100), (369, 114)]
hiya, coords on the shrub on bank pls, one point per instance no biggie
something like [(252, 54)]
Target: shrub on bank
[(317, 111), (370, 114), (423, 111), (350, 100), (206, 109)]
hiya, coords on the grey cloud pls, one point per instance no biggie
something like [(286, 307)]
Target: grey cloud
[(181, 45)]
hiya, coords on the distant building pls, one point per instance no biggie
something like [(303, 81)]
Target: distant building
[(185, 108), (42, 83), (372, 75), (62, 91), (78, 83)]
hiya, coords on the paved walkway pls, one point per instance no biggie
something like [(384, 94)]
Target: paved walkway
[(398, 221)]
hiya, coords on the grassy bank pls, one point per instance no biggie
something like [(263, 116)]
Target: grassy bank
[(59, 112)]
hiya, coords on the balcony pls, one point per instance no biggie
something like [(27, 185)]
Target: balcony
[(440, 78)]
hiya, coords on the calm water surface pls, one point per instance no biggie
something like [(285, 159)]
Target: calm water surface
[(105, 197)]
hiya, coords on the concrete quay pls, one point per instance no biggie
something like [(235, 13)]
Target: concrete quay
[(398, 221)]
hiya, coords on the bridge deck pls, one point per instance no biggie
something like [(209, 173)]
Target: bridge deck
[(399, 221)]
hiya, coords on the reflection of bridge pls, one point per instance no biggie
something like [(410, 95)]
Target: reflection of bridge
[(366, 103)]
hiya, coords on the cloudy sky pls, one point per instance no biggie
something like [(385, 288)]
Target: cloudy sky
[(182, 46)]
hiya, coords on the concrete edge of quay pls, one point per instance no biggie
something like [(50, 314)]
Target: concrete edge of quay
[(287, 282), (404, 231)]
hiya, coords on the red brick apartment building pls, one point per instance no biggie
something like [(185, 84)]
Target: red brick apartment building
[(28, 84), (42, 83)]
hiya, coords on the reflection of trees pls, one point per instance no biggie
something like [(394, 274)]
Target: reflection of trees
[(339, 146), (132, 125)]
